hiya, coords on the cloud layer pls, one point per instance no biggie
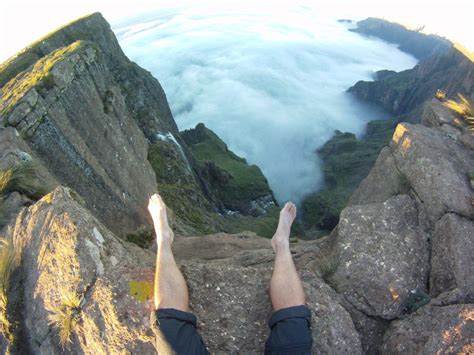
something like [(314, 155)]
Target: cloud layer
[(270, 83)]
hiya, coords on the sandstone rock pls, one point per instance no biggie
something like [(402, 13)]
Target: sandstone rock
[(433, 330), (383, 256), (452, 258), (218, 246), (436, 169), (383, 182), (64, 250), (435, 114)]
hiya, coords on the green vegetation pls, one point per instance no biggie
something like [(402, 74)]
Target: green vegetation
[(414, 301), (143, 238), (21, 178), (64, 318), (235, 182), (179, 189), (346, 162), (263, 226), (40, 74), (9, 259), (228, 178)]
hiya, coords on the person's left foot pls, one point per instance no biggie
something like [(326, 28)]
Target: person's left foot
[(157, 209)]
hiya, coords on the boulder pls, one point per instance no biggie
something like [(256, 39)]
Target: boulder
[(383, 182), (452, 257), (436, 169), (433, 330), (383, 256), (68, 254)]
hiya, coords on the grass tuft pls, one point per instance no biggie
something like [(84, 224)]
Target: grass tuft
[(8, 262), (64, 318), (463, 108), (22, 178), (440, 95)]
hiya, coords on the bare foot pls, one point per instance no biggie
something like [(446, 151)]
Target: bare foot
[(157, 209), (281, 238)]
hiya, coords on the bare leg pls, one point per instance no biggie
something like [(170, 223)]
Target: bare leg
[(286, 289), (170, 287)]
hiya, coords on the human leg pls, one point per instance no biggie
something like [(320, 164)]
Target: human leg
[(286, 289), (291, 320), (174, 327)]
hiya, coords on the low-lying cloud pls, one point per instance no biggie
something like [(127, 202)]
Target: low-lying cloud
[(270, 83)]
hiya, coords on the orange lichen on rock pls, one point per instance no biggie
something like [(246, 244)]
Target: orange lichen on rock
[(394, 294), (399, 132)]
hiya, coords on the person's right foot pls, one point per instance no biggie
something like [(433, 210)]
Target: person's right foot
[(157, 209), (281, 238)]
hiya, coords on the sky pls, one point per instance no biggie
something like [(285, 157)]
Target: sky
[(22, 22)]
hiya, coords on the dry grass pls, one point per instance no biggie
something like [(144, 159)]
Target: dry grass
[(440, 95), (64, 318), (463, 108), (9, 259), (22, 178)]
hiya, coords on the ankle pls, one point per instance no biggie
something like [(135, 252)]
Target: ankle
[(164, 243), (280, 245)]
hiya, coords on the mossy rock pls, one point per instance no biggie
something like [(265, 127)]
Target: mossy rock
[(179, 189), (346, 162), (235, 182)]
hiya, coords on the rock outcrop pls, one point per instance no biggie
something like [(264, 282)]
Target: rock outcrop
[(238, 186), (382, 256), (424, 172)]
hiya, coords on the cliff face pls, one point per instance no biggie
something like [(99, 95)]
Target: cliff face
[(72, 113)]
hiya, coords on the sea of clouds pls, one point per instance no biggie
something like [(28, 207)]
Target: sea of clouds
[(270, 82)]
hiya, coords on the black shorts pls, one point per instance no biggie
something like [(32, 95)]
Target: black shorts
[(290, 332)]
